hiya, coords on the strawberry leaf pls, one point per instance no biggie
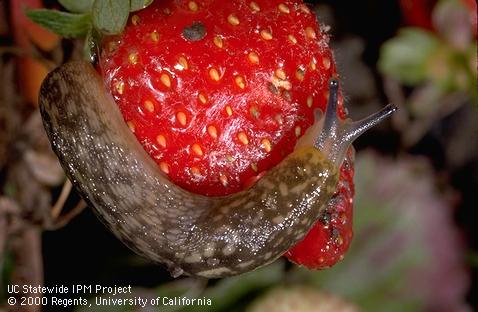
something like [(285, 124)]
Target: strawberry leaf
[(77, 6), (68, 25), (109, 16), (137, 5)]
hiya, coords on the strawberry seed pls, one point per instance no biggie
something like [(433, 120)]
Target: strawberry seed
[(149, 106), (202, 98), (165, 80), (242, 136), (193, 6), (164, 167), (310, 33), (131, 126), (218, 42), (223, 179), (212, 130), (181, 117), (119, 86), (253, 58), (254, 6), (284, 8), (326, 62), (161, 139), (196, 148), (266, 145), (135, 20), (233, 20), (183, 63), (266, 34), (214, 74), (228, 110), (310, 101), (280, 73), (240, 82), (154, 36)]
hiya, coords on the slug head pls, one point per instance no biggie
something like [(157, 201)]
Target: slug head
[(337, 135)]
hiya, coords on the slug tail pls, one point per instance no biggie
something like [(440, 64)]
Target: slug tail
[(337, 135)]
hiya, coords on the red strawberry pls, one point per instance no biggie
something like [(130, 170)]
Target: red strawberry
[(219, 91), (329, 239)]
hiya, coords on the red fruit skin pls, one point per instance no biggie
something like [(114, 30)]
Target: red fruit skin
[(330, 237), (268, 108), (279, 110)]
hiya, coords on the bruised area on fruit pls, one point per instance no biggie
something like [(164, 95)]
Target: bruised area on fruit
[(218, 103), (195, 32)]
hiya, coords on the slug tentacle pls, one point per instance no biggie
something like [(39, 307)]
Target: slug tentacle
[(190, 233), (337, 135)]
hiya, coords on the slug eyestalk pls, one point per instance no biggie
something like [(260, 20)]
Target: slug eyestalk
[(337, 135)]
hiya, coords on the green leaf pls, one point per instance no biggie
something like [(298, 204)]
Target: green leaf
[(405, 57), (137, 5), (77, 6), (110, 16), (68, 25)]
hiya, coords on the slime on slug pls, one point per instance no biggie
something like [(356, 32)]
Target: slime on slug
[(191, 234)]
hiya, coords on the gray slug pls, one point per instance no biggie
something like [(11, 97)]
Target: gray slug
[(192, 234)]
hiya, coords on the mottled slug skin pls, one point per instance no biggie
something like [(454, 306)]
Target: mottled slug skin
[(192, 234)]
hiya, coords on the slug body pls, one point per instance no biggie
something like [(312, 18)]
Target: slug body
[(192, 234)]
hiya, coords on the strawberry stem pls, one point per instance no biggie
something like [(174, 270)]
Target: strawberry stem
[(337, 135)]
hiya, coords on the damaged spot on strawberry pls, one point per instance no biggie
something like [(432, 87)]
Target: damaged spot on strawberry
[(195, 32)]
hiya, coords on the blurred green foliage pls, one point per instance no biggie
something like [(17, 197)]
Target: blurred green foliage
[(407, 56), (446, 58)]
